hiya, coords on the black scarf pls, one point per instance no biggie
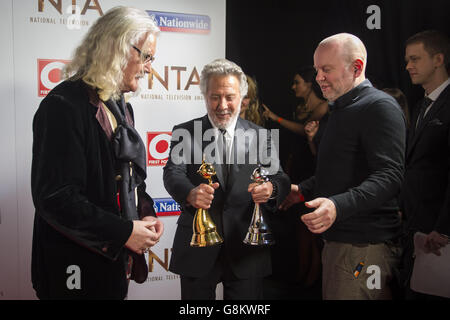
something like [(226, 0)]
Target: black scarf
[(129, 151)]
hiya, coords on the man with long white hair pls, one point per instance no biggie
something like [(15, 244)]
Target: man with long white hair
[(94, 220)]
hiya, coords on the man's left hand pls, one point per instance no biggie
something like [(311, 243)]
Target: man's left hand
[(322, 218), (260, 192)]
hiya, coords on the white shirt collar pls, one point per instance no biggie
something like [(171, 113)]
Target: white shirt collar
[(436, 92)]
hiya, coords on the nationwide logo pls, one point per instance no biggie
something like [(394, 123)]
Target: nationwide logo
[(166, 207), (49, 74), (158, 148), (181, 22)]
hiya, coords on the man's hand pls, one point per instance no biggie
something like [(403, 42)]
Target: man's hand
[(145, 234), (261, 192), (202, 195), (157, 228), (295, 196), (322, 218), (435, 241)]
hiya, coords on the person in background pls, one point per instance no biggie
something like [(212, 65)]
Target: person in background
[(358, 175), (425, 195), (402, 102), (251, 107), (94, 220), (301, 278), (313, 108), (301, 162)]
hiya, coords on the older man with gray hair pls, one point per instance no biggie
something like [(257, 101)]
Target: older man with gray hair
[(358, 176), (230, 201)]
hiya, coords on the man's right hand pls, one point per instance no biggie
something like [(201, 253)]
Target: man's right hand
[(295, 196), (202, 196), (143, 236)]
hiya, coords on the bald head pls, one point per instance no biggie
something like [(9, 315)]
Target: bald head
[(349, 46), (340, 62)]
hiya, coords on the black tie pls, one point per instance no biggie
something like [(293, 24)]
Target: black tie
[(423, 107), (224, 155)]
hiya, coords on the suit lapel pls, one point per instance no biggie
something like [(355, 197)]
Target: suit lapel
[(434, 110), (412, 130)]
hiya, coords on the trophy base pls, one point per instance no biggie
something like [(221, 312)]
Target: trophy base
[(259, 239), (206, 240)]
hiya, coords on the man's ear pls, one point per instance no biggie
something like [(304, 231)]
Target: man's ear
[(358, 66), (438, 59)]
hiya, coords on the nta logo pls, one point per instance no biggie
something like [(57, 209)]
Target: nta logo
[(194, 77), (57, 4)]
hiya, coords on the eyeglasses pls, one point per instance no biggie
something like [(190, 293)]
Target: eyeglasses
[(145, 56)]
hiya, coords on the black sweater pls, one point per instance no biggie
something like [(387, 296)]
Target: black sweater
[(360, 166)]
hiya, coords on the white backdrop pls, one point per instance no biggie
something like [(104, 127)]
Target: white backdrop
[(38, 37)]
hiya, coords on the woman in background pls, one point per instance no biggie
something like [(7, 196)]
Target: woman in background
[(401, 100), (313, 107), (301, 278), (250, 107)]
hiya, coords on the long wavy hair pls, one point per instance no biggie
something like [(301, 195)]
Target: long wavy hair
[(105, 50), (308, 74), (253, 112), (400, 97)]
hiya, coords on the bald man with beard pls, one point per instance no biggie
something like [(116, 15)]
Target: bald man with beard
[(359, 172)]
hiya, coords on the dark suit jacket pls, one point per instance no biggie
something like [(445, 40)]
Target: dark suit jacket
[(426, 188), (231, 209), (77, 220)]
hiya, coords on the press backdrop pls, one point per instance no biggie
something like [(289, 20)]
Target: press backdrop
[(38, 38)]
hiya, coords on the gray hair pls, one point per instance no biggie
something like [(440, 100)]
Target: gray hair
[(105, 50), (223, 67)]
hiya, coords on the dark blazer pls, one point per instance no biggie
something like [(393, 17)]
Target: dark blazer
[(231, 209), (426, 188), (77, 220)]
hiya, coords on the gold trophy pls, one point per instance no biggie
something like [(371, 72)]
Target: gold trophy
[(259, 233), (205, 233)]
